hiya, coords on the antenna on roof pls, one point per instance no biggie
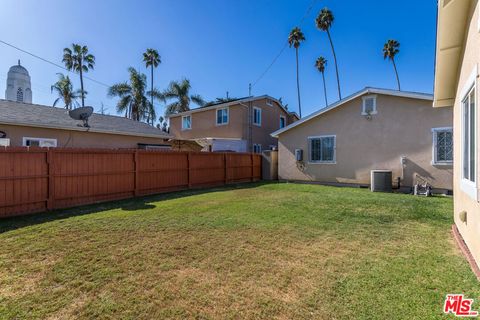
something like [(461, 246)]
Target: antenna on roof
[(19, 62), (82, 114)]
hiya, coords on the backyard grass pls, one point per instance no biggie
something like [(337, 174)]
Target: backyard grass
[(260, 251)]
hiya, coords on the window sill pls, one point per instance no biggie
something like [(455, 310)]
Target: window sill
[(369, 114), (469, 188), (322, 162), (221, 124), (442, 164), (186, 129)]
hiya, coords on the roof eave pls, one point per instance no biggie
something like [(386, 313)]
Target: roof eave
[(451, 33)]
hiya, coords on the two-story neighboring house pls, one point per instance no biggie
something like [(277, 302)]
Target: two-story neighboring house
[(242, 125)]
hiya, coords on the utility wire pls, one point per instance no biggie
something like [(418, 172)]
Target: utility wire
[(56, 65), (52, 63), (284, 46)]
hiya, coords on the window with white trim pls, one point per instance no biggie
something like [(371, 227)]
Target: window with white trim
[(369, 105), (257, 116), (322, 149), (283, 122), (39, 142), (186, 122), (469, 143), (269, 102), (222, 116), (442, 145), (257, 148)]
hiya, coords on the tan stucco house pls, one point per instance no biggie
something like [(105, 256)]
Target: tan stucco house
[(456, 84), (24, 124), (242, 125), (373, 129)]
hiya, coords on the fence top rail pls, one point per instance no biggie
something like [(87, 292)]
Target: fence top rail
[(118, 151)]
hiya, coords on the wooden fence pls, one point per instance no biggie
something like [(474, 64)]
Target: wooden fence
[(38, 179)]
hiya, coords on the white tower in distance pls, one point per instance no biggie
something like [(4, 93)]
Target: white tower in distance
[(18, 85)]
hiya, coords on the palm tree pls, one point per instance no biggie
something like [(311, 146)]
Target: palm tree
[(133, 100), (324, 22), (320, 64), (152, 59), (390, 50), (295, 38), (179, 91), (64, 89), (79, 60)]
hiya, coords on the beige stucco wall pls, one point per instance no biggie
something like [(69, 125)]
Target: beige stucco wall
[(470, 230), (402, 127), (204, 124), (76, 139)]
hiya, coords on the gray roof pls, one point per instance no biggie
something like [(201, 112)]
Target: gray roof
[(33, 115)]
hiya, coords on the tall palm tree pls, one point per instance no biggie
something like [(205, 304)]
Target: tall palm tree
[(295, 38), (180, 92), (390, 50), (133, 101), (320, 64), (324, 22), (79, 60), (152, 59), (64, 90)]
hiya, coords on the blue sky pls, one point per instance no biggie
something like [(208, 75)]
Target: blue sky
[(222, 45)]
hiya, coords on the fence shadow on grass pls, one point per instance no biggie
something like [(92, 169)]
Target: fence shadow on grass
[(132, 204)]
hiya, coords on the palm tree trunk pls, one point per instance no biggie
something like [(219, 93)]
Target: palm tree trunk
[(81, 86), (153, 120), (298, 87), (325, 89), (336, 65), (396, 74)]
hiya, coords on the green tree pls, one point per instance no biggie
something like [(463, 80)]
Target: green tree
[(324, 22), (295, 38), (390, 50), (152, 59), (79, 60), (320, 64), (179, 91), (64, 90), (133, 101)]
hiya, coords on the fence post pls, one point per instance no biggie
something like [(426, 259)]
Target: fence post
[(50, 180), (189, 178), (225, 168), (251, 162), (136, 170)]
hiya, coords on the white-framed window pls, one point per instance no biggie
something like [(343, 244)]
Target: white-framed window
[(442, 146), (257, 116), (39, 142), (469, 142), (222, 116), (269, 102), (186, 122), (322, 149), (283, 122), (369, 105), (257, 148)]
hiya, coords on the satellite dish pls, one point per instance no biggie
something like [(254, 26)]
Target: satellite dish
[(82, 114)]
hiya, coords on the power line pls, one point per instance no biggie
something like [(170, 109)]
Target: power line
[(284, 46), (52, 63), (57, 65)]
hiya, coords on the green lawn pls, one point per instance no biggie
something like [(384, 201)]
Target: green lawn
[(261, 251)]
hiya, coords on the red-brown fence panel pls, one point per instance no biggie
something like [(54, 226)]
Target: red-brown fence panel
[(37, 179)]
